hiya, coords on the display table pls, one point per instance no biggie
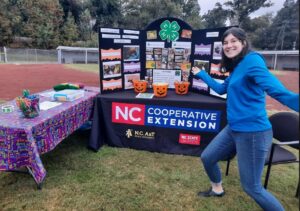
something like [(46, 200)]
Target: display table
[(177, 124), (23, 140)]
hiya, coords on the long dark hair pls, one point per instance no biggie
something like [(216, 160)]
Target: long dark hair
[(227, 63)]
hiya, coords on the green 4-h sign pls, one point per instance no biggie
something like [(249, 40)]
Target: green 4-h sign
[(169, 31)]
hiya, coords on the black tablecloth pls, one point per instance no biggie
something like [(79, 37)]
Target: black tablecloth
[(157, 133)]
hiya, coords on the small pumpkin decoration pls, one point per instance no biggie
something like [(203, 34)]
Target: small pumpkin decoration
[(181, 87), (140, 86), (160, 89)]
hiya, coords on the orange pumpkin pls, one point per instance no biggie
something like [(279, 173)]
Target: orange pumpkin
[(140, 86), (182, 87), (160, 89)]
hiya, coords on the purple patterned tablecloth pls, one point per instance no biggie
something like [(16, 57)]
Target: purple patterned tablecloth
[(22, 140)]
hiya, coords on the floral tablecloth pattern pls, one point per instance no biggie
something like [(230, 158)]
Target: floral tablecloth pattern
[(23, 140)]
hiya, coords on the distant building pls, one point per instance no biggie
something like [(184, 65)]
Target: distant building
[(282, 60)]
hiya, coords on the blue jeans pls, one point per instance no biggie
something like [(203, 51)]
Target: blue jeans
[(251, 149)]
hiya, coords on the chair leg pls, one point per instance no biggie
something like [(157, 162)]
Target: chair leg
[(269, 166), (297, 191), (227, 167)]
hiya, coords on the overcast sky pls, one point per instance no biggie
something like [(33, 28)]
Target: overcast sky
[(206, 5)]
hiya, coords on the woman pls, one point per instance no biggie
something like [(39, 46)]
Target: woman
[(249, 131)]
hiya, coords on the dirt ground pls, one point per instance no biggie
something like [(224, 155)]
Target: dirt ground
[(39, 77)]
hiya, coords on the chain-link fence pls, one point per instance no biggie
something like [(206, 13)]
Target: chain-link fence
[(76, 55), (23, 55), (276, 60), (62, 55)]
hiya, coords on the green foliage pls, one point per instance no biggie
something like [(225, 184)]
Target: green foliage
[(257, 30), (85, 27), (107, 13), (38, 20), (240, 10), (216, 17), (285, 27), (280, 32), (49, 23), (69, 32), (9, 20), (139, 13)]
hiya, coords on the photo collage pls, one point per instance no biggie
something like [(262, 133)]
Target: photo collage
[(167, 59), (207, 57), (119, 58)]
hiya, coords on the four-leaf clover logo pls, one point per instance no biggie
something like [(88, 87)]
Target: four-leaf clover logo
[(169, 31)]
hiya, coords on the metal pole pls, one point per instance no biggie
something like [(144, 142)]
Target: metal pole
[(35, 56), (275, 61), (59, 56), (85, 56), (5, 55)]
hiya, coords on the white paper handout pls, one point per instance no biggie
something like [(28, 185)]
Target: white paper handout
[(166, 76), (44, 106)]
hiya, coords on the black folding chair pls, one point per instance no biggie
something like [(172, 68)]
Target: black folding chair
[(286, 132)]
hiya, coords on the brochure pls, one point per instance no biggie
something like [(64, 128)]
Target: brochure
[(145, 95), (44, 106)]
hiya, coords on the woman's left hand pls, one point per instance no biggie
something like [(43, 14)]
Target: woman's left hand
[(195, 70)]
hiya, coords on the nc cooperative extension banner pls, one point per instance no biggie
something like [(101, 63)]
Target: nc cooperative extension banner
[(167, 117)]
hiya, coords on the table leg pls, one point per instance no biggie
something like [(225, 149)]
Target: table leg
[(39, 184)]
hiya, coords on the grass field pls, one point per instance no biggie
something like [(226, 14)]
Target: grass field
[(127, 179), (94, 68)]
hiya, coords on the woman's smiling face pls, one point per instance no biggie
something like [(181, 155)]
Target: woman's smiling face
[(232, 46)]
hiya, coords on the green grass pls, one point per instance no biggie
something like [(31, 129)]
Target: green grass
[(94, 68), (127, 179)]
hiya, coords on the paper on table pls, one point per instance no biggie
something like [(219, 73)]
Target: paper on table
[(145, 95), (47, 94), (48, 104)]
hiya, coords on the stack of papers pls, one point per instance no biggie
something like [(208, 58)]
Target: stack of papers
[(67, 95)]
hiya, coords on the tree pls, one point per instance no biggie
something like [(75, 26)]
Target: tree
[(191, 13), (139, 13), (69, 32), (9, 20), (107, 13), (85, 27), (41, 21), (283, 32), (216, 17), (257, 30), (239, 10), (32, 19), (286, 26), (75, 7), (46, 36)]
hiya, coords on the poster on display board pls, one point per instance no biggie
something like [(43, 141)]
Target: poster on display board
[(119, 58), (165, 51), (207, 56)]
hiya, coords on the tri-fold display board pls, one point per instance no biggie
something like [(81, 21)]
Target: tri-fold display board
[(165, 51)]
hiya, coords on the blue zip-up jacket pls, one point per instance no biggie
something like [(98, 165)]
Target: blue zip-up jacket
[(246, 87)]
